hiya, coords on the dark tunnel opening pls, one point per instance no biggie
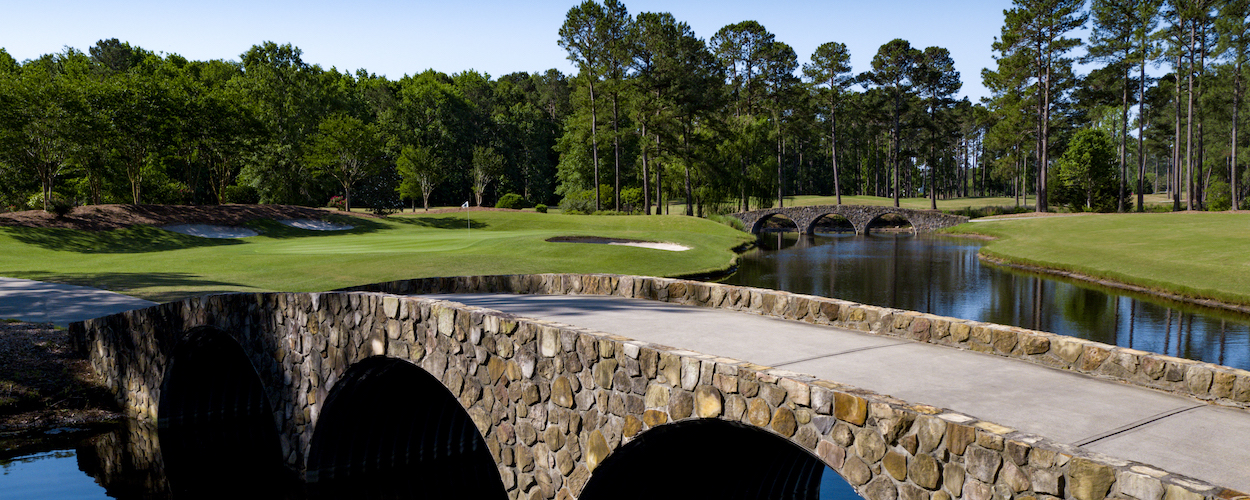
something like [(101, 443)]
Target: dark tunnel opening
[(710, 458), (391, 430), (216, 426)]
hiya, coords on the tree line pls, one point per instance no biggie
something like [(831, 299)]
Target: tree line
[(655, 113)]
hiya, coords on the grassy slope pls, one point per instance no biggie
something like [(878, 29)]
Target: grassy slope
[(1197, 254), (159, 265)]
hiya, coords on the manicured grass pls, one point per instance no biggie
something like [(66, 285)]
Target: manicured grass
[(154, 264), (1196, 254)]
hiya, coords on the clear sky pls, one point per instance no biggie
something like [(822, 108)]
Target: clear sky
[(397, 37)]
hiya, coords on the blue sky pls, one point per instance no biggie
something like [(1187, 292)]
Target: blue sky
[(393, 37)]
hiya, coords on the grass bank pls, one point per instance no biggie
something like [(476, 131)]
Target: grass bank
[(159, 265), (1192, 255)]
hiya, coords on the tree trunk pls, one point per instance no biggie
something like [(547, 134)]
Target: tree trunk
[(1141, 139), (1232, 166), (616, 151), (1189, 126), (594, 143), (1123, 136), (646, 174)]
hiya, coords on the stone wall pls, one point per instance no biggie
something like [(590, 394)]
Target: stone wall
[(553, 401), (860, 216)]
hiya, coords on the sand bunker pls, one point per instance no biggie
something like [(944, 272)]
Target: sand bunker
[(316, 225), (672, 247), (211, 230)]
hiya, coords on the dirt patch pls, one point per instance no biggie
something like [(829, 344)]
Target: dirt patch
[(45, 384), (106, 217)]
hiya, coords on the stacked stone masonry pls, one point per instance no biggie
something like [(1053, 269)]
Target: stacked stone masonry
[(805, 218), (553, 401)]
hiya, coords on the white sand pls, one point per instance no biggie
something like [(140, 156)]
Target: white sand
[(671, 247), (316, 225), (211, 230)]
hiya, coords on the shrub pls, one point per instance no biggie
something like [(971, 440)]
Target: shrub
[(243, 195), (728, 220), (580, 202), (57, 204), (337, 202), (631, 200), (1219, 196), (511, 201), (540, 208)]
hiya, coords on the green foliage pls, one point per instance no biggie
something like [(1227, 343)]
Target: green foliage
[(631, 200), (56, 204), (540, 208), (1219, 196), (728, 220), (242, 195), (579, 202), (1087, 173), (511, 201)]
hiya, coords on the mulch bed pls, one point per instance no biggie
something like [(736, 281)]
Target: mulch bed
[(45, 384), (106, 217)]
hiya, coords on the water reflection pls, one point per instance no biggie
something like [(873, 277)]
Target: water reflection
[(943, 276)]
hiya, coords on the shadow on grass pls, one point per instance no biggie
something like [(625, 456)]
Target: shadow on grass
[(450, 222), (137, 239), (125, 282)]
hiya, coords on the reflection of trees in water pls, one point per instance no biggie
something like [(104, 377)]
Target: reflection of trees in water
[(944, 276), (126, 461)]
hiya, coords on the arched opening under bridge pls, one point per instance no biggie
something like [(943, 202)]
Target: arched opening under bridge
[(215, 424), (709, 458), (391, 430)]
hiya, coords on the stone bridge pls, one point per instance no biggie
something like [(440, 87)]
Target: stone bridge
[(860, 216), (338, 385)]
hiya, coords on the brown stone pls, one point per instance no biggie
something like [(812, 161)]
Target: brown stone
[(632, 426), (798, 392), (1089, 480), (1093, 358), (896, 464), (983, 464), (596, 449), (707, 402), (1014, 477), (564, 462), (850, 409), (1035, 344), (495, 369), (604, 370), (680, 404), (562, 392), (1004, 340), (1174, 492), (758, 412), (783, 422), (953, 477), (553, 438), (654, 417), (807, 437), (1198, 380), (912, 492), (735, 407), (958, 437), (924, 471), (976, 490), (855, 471), (881, 488), (833, 455), (930, 430), (870, 445), (656, 396), (1222, 384)]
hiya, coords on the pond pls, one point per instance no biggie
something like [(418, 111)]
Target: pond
[(942, 275)]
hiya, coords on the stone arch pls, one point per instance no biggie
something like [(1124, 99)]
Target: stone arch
[(388, 427), (905, 215), (789, 472), (830, 215), (215, 420), (764, 218)]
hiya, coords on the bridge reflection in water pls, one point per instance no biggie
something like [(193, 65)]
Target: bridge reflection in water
[(389, 429)]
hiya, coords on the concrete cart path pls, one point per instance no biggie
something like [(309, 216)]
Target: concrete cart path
[(1174, 433), (40, 302)]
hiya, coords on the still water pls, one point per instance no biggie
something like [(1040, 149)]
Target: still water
[(942, 275)]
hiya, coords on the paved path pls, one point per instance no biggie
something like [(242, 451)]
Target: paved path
[(1173, 433), (40, 302)]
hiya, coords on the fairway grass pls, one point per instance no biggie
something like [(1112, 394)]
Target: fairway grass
[(1196, 255), (159, 265)]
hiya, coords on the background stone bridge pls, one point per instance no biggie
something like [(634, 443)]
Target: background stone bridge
[(551, 404), (860, 216)]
